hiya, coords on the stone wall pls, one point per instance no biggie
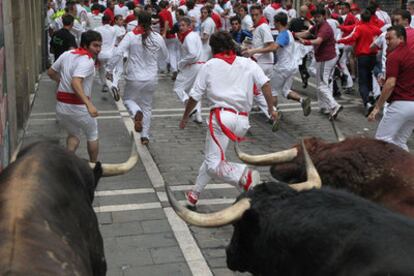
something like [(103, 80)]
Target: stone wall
[(23, 36)]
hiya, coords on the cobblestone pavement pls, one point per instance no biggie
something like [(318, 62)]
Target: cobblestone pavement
[(142, 235)]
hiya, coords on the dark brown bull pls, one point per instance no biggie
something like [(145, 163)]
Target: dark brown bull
[(47, 223), (370, 168)]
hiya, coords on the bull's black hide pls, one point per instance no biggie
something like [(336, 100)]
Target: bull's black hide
[(47, 223), (319, 232), (370, 168)]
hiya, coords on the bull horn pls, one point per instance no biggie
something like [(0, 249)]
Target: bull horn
[(121, 168), (217, 219), (338, 133), (314, 180), (266, 159)]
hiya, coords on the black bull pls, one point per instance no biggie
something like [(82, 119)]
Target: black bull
[(47, 222), (370, 168), (285, 230)]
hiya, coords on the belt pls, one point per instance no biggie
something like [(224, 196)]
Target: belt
[(69, 98), (230, 134)]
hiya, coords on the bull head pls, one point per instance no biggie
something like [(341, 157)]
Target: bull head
[(235, 212), (120, 168)]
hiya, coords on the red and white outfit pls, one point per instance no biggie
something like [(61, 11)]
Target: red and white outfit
[(208, 27), (71, 112), (170, 40), (397, 125), (109, 38), (227, 84), (141, 78), (121, 9), (269, 12), (188, 66), (262, 35)]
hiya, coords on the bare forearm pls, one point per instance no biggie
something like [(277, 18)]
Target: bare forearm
[(53, 75), (78, 89), (267, 93), (385, 93), (191, 104)]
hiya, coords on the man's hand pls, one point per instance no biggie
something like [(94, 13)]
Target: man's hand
[(273, 114), (248, 53), (373, 115), (92, 110)]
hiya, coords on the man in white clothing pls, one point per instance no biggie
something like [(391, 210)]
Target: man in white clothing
[(246, 19), (95, 17), (121, 9), (144, 47), (287, 66), (208, 27), (74, 71), (226, 80), (190, 63), (270, 11), (262, 53), (109, 39)]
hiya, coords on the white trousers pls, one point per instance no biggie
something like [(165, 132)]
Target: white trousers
[(173, 53), (324, 73), (344, 67), (117, 73), (282, 81), (184, 83), (213, 166), (397, 124), (138, 97), (77, 123)]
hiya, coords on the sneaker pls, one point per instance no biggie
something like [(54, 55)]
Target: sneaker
[(335, 112), (324, 111), (174, 76), (144, 141), (138, 121), (368, 109), (249, 179), (115, 93), (276, 123), (198, 119), (104, 88), (306, 106), (349, 91), (192, 198)]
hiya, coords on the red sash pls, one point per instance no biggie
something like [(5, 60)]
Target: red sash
[(230, 134), (68, 98), (228, 56), (82, 52), (181, 36)]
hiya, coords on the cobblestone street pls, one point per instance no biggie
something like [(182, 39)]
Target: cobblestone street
[(142, 234)]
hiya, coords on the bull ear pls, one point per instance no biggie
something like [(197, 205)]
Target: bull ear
[(250, 222)]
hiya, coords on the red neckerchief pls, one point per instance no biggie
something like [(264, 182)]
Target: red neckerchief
[(138, 30), (276, 6), (227, 56), (181, 36), (121, 5), (95, 12), (261, 21), (82, 52)]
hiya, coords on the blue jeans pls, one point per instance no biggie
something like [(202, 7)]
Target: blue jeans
[(365, 66)]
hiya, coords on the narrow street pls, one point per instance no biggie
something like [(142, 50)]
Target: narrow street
[(142, 234)]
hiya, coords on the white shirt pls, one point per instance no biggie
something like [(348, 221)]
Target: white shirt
[(120, 31), (95, 21), (261, 36), (143, 60), (383, 16), (412, 21), (229, 85), (208, 27), (292, 14), (132, 25), (121, 11), (381, 43), (109, 37), (286, 55), (337, 32), (68, 66), (269, 12), (195, 14), (247, 23), (82, 14), (191, 50)]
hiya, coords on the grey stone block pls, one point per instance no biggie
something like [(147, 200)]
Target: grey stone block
[(138, 215), (164, 255), (176, 269), (156, 226)]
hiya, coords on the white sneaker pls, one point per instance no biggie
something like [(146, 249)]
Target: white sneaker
[(198, 119), (249, 179)]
